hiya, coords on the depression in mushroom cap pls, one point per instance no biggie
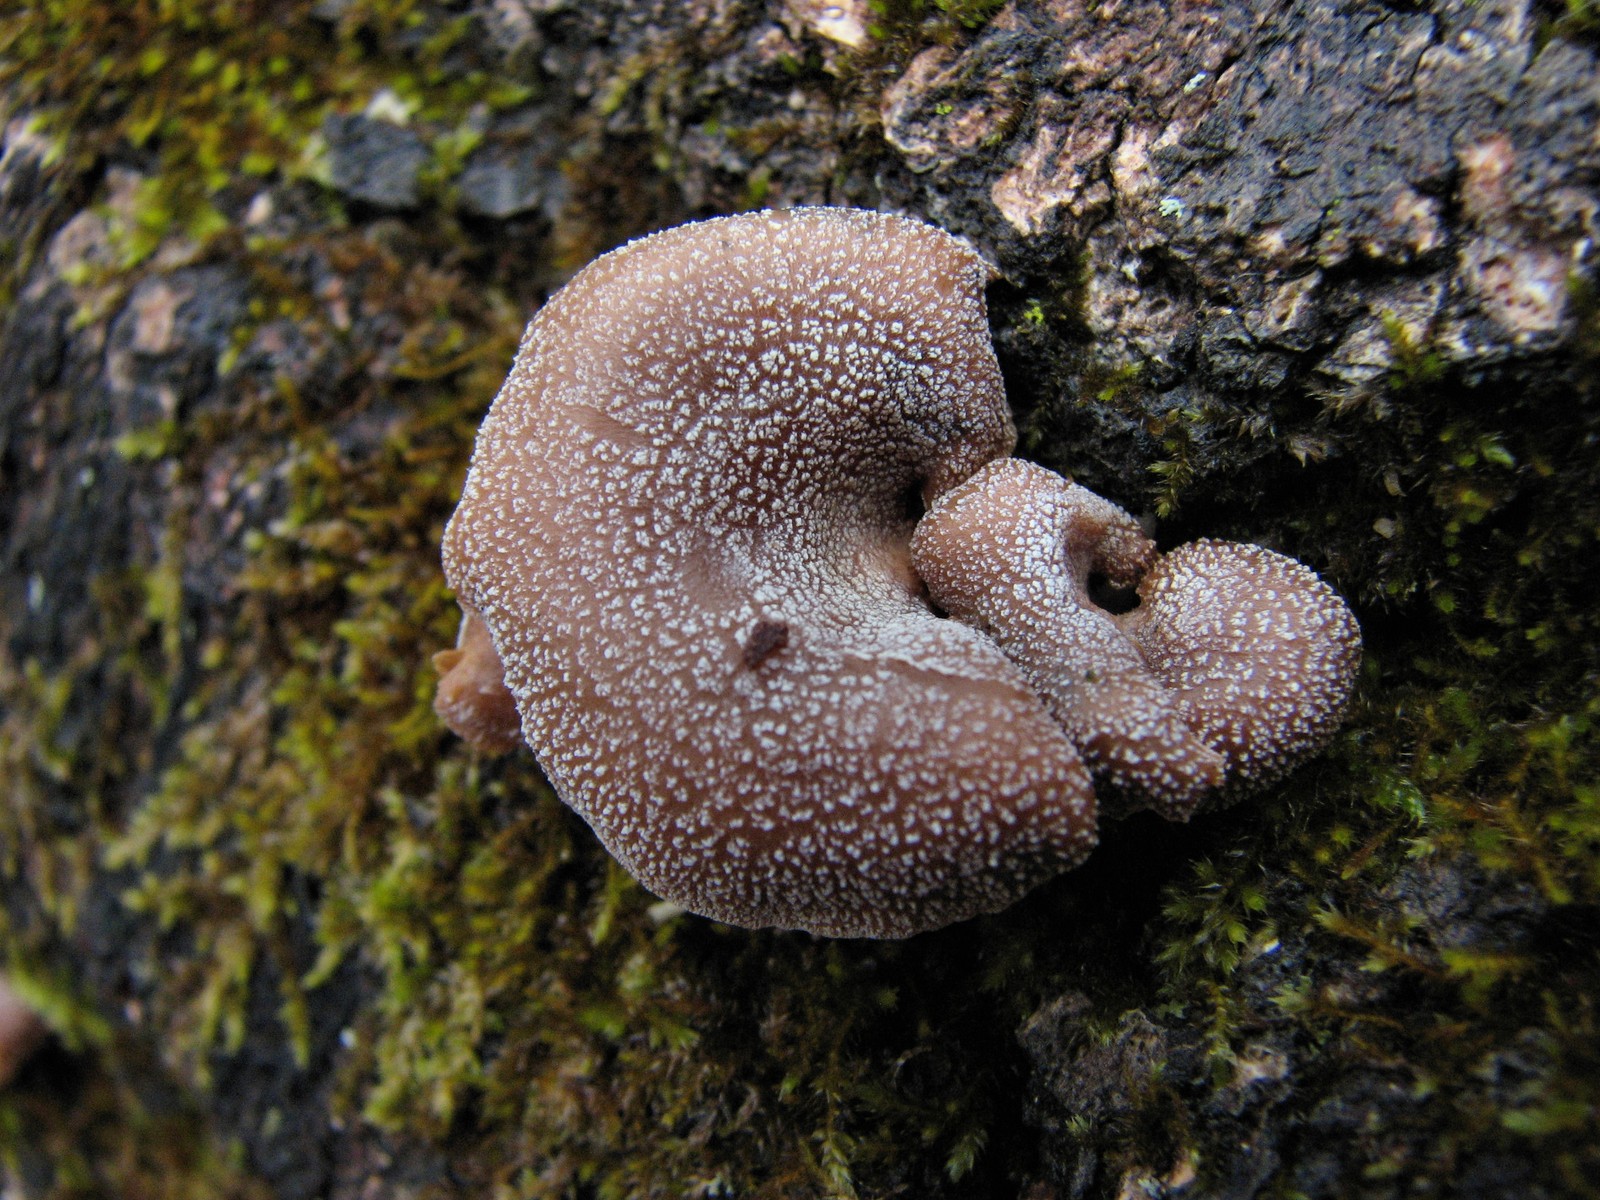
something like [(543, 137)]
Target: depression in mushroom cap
[(686, 533)]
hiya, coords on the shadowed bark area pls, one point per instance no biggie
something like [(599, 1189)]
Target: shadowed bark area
[(1319, 276)]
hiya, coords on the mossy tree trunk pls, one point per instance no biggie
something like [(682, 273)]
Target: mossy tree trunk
[(1319, 276)]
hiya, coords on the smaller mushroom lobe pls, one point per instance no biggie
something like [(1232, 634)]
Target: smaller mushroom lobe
[(1235, 665), (1261, 653), (1011, 551)]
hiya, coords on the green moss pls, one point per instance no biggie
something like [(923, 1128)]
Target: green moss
[(1437, 1013), (1579, 19), (1486, 788), (1413, 363), (940, 20), (94, 1135), (223, 96), (312, 823), (1223, 912)]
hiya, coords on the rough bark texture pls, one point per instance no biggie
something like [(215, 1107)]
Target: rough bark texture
[(1317, 275)]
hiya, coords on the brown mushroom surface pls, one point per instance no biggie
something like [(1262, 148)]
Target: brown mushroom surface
[(686, 532), (1235, 665)]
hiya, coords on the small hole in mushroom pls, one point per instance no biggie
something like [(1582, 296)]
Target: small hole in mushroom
[(1111, 597), (765, 639), (912, 506)]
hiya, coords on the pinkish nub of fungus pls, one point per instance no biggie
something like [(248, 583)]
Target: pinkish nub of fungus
[(684, 553)]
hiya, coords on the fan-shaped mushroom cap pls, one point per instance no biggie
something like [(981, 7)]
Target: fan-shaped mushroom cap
[(686, 529), (1235, 665)]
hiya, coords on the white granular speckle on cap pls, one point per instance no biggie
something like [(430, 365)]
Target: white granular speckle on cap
[(1234, 667), (686, 531)]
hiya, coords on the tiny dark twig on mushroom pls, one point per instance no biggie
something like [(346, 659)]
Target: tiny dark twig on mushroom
[(765, 640)]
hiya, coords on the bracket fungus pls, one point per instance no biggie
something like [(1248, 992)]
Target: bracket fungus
[(684, 558), (686, 528)]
